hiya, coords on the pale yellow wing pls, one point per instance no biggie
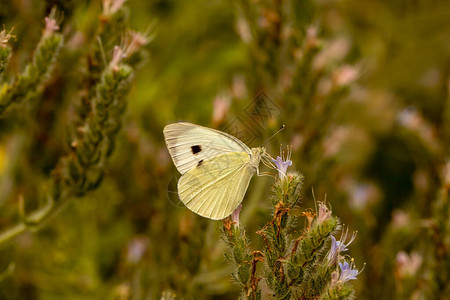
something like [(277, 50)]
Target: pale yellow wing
[(216, 186), (188, 144)]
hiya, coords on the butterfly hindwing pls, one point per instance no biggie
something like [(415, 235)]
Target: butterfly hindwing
[(215, 187), (190, 144)]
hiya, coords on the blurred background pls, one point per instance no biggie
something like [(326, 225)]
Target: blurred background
[(361, 86)]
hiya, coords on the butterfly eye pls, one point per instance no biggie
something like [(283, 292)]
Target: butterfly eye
[(196, 149)]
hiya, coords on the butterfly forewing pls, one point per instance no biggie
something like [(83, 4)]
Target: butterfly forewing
[(215, 188), (191, 144)]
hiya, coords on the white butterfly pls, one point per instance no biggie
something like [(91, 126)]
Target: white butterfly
[(216, 168)]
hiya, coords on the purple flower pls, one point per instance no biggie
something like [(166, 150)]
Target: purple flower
[(283, 162), (407, 265), (339, 246), (51, 25), (118, 56), (137, 248), (235, 215), (334, 251), (324, 213), (348, 271)]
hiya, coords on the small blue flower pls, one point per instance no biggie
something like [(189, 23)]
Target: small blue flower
[(235, 215), (348, 271), (334, 248), (283, 162), (339, 246)]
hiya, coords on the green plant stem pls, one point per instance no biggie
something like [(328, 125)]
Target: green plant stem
[(72, 174)]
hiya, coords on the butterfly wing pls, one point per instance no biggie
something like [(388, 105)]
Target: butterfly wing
[(214, 188), (189, 144)]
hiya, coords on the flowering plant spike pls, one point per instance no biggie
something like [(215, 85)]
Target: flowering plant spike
[(296, 264)]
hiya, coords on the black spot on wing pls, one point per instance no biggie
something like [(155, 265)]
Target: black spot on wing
[(199, 163), (196, 149)]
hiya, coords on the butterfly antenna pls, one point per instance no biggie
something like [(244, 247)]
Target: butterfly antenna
[(282, 127)]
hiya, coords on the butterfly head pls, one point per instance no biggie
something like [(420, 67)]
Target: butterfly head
[(259, 151)]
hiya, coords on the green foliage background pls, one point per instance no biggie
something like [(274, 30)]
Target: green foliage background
[(376, 146)]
